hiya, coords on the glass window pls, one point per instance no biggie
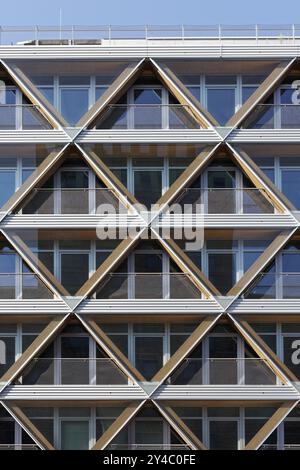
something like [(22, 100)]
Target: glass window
[(221, 103), (7, 185), (290, 185), (148, 355), (74, 435), (222, 270), (74, 102), (223, 435), (74, 270)]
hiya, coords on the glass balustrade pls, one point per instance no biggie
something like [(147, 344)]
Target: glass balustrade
[(223, 371), (148, 286)]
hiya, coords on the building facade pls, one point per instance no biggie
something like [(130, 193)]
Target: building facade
[(128, 326)]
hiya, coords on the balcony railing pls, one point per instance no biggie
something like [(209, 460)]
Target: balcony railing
[(147, 116), (273, 116), (21, 116), (148, 286), (226, 200), (274, 286), (19, 447), (23, 286), (276, 447), (73, 371), (223, 371), (148, 447), (70, 201)]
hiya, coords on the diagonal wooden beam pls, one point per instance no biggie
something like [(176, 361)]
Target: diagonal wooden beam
[(189, 344), (183, 95), (108, 177), (40, 174), (28, 426), (111, 349), (263, 91), (263, 350), (34, 95), (180, 427), (125, 417), (261, 262), (188, 175), (111, 262), (185, 263), (35, 263), (270, 426), (260, 180), (36, 347), (113, 93)]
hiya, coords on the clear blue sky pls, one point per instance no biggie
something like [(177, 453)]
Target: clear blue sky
[(197, 12)]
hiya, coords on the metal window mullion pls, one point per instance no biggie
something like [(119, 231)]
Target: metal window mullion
[(241, 429), (92, 196), (18, 110)]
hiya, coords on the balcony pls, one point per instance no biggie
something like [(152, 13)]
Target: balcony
[(227, 200), (223, 371), (147, 116), (73, 371), (273, 116), (70, 201), (148, 286), (275, 286), (22, 116), (23, 286)]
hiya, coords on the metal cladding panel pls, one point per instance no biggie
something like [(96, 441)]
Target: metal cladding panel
[(149, 306), (73, 392), (264, 136), (33, 307), (70, 221), (268, 306), (151, 135), (226, 392), (33, 136), (227, 220), (151, 48)]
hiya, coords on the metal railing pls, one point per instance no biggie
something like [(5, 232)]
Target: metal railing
[(77, 34), (19, 447), (147, 116), (148, 446), (73, 371), (226, 200), (70, 201), (148, 286), (274, 116), (23, 286), (223, 371), (22, 116), (276, 447), (274, 285)]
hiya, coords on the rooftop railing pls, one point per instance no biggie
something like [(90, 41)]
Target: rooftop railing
[(223, 371), (93, 34)]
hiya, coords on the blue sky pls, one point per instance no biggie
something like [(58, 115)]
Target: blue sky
[(197, 12)]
